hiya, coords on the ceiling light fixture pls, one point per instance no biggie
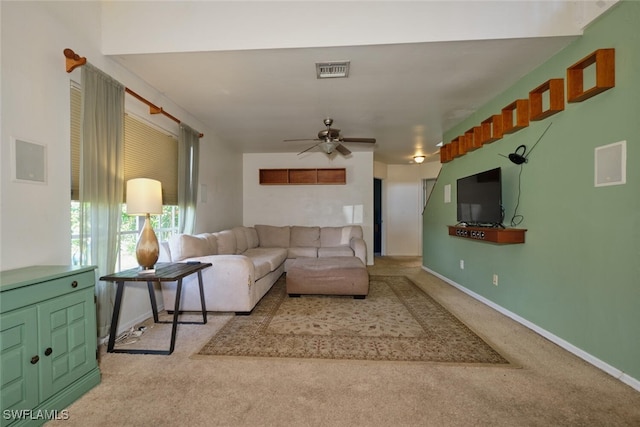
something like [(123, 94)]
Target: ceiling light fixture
[(328, 146), (418, 159)]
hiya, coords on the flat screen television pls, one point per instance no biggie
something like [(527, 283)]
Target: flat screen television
[(480, 199)]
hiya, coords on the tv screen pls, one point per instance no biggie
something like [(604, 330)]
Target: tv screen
[(480, 198)]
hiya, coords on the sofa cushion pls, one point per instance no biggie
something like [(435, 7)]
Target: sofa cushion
[(273, 256), (241, 239), (338, 236), (273, 237), (261, 268), (305, 236), (252, 237), (183, 246), (226, 240), (336, 251), (302, 252)]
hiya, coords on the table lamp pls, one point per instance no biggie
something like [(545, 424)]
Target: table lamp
[(144, 197)]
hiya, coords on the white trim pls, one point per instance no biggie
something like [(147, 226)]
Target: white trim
[(614, 372)]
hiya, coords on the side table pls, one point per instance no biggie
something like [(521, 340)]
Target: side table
[(165, 272)]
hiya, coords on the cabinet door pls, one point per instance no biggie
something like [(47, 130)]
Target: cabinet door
[(67, 350), (18, 375)]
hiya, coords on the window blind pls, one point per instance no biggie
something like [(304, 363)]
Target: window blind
[(148, 153)]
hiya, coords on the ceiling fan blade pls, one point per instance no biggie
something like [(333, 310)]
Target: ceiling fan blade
[(342, 150), (368, 140), (294, 140), (310, 148)]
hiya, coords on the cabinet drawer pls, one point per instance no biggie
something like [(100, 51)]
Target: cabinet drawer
[(42, 291)]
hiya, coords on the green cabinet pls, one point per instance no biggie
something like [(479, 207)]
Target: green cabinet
[(48, 341)]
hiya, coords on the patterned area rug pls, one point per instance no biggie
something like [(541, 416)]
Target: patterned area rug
[(396, 322)]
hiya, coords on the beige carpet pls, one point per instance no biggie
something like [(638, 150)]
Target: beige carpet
[(552, 387), (396, 322)]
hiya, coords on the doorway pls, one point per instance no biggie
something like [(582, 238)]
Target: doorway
[(377, 216)]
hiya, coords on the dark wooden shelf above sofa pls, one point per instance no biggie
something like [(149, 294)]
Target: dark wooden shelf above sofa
[(488, 234), (303, 176)]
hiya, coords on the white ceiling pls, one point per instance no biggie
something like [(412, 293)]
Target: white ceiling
[(403, 94)]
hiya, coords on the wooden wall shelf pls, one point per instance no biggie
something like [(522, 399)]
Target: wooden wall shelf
[(486, 234), (604, 60), (303, 176), (543, 101), (474, 138), (521, 109), (445, 153), (555, 90), (492, 129)]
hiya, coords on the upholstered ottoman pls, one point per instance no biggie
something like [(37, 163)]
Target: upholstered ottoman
[(328, 276)]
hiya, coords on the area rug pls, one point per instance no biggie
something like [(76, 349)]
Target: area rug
[(397, 321)]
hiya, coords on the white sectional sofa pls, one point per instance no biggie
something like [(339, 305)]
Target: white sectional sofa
[(247, 261)]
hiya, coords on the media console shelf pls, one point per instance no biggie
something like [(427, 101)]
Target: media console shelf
[(487, 234)]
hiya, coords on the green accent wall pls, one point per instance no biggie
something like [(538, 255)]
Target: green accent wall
[(578, 274)]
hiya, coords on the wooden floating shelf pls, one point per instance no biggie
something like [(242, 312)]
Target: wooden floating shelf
[(474, 138), (445, 153), (521, 109), (486, 234), (604, 60), (303, 176), (555, 90), (544, 101), (492, 129), (455, 148)]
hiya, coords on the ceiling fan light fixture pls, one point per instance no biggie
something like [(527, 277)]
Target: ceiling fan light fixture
[(328, 146), (418, 159), (332, 70)]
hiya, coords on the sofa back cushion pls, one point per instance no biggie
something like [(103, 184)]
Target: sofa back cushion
[(252, 237), (305, 237), (339, 236), (241, 239), (226, 242), (183, 246), (273, 237)]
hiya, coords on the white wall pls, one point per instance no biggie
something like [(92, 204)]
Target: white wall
[(402, 206), (321, 205), (136, 27), (35, 219)]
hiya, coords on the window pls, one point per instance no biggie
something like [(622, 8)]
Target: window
[(149, 153)]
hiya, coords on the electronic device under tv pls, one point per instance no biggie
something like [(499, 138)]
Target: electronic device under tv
[(480, 199)]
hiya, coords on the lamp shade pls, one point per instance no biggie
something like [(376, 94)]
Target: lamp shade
[(144, 196), (418, 159)]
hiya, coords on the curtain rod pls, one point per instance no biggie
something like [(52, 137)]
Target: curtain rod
[(74, 61)]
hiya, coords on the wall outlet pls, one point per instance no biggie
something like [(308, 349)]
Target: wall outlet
[(495, 279), (461, 264)]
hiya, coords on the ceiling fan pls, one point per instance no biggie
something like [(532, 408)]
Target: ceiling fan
[(329, 139)]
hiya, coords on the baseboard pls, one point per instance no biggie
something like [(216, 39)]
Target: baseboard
[(130, 324), (611, 370)]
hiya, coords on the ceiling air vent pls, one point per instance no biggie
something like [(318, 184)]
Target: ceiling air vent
[(329, 70)]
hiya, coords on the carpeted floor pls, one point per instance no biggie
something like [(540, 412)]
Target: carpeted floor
[(551, 387), (396, 322)]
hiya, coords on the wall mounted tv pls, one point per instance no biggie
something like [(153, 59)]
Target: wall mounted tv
[(480, 199)]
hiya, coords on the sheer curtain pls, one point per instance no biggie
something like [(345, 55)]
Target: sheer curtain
[(101, 180), (188, 154)]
